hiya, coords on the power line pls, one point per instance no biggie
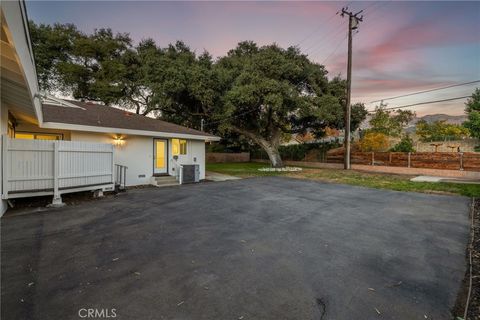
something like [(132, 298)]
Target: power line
[(334, 50), (339, 31), (369, 6), (383, 3), (316, 46), (319, 27), (370, 15), (425, 91), (339, 28), (422, 103)]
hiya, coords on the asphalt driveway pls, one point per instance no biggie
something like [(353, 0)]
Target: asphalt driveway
[(261, 248)]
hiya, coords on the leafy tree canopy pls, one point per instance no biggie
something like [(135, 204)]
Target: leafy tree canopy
[(259, 93), (472, 108), (389, 122), (404, 145), (439, 130), (374, 141), (270, 91)]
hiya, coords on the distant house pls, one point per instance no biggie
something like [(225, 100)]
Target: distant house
[(53, 146), (331, 135)]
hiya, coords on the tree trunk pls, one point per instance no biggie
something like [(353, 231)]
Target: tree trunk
[(270, 147), (273, 155)]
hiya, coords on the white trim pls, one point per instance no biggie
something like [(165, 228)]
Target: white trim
[(103, 187), (14, 14), (48, 99), (165, 155), (77, 127)]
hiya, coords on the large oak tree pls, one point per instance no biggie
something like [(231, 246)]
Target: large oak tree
[(270, 92), (259, 93)]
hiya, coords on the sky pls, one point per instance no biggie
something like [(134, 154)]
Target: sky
[(400, 47)]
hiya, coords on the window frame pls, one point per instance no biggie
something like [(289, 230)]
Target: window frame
[(177, 143), (35, 134)]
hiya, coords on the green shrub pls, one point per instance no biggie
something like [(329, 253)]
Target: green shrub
[(298, 152), (405, 145), (374, 141), (215, 147)]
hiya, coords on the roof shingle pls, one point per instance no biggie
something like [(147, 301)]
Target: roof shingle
[(102, 116)]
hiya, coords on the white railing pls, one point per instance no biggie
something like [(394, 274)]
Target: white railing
[(120, 176), (43, 167), (178, 171)]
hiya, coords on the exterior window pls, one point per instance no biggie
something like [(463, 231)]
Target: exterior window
[(38, 136), (29, 136), (179, 146)]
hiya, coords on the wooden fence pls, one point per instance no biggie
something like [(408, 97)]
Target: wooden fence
[(43, 167), (433, 160)]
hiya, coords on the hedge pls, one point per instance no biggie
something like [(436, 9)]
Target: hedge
[(300, 152)]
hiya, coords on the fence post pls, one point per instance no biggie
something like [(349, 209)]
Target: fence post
[(373, 158), (461, 161), (57, 198), (390, 158), (4, 167), (409, 159)]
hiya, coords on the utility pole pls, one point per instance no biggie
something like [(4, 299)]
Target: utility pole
[(353, 20)]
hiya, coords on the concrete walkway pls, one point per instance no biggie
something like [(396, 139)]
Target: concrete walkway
[(215, 176), (444, 179), (462, 174)]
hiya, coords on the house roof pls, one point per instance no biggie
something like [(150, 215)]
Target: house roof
[(97, 115)]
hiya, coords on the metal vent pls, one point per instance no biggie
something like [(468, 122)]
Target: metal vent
[(191, 173)]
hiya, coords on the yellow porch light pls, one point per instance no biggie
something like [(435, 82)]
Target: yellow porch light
[(118, 141)]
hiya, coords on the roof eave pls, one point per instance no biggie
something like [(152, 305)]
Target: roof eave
[(77, 127)]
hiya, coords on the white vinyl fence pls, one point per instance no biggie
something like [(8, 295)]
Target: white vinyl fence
[(43, 167)]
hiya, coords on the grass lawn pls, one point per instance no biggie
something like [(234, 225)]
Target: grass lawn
[(359, 178)]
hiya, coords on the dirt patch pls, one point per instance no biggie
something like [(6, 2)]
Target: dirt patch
[(473, 311), (74, 198), (24, 205)]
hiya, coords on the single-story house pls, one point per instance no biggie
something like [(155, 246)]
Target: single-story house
[(147, 147), (51, 146)]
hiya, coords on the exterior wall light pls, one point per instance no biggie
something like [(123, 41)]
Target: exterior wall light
[(118, 141)]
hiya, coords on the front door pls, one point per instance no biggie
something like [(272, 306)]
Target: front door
[(160, 151)]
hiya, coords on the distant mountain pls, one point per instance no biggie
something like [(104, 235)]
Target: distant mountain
[(440, 117), (429, 118)]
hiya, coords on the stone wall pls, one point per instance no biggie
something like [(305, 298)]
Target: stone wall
[(466, 145)]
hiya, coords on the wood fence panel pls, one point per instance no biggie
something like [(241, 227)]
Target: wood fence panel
[(433, 160), (382, 158), (29, 164), (471, 161), (44, 166), (84, 163), (436, 160)]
